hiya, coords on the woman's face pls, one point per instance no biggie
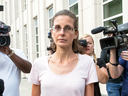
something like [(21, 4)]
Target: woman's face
[(90, 46), (63, 32)]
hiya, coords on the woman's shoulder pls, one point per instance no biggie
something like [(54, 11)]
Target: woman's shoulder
[(40, 63), (42, 58), (85, 58)]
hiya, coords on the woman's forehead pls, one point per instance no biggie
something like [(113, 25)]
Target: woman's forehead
[(63, 19), (88, 38)]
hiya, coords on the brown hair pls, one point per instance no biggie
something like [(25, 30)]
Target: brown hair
[(73, 16), (94, 55)]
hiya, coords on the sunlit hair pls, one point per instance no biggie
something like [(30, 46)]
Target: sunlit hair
[(94, 55), (73, 16)]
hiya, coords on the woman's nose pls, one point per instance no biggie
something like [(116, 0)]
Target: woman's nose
[(62, 31)]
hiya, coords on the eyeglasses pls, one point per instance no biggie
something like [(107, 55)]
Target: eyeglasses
[(58, 28)]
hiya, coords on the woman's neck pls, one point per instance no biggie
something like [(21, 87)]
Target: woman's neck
[(63, 55)]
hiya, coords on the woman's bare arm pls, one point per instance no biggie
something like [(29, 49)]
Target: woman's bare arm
[(89, 90), (35, 90), (102, 74)]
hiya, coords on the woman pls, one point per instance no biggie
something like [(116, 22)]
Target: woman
[(63, 73), (99, 63)]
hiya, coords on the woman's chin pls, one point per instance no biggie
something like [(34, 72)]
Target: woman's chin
[(88, 54), (62, 45)]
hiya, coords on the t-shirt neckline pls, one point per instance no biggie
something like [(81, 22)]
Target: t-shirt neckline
[(78, 55)]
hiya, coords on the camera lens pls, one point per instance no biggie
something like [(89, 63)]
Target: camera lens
[(3, 40)]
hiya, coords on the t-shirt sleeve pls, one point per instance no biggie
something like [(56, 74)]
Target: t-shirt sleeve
[(92, 75), (34, 74), (101, 63), (20, 53), (122, 62)]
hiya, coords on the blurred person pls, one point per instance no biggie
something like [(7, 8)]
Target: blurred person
[(12, 62), (114, 85), (116, 70), (99, 63), (49, 49), (64, 73)]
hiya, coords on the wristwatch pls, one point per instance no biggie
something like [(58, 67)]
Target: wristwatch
[(12, 52)]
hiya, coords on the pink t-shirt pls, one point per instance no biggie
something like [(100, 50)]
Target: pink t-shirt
[(71, 84)]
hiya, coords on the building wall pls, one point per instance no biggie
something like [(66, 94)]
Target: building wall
[(21, 15), (89, 18)]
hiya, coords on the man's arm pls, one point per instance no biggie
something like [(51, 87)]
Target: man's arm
[(23, 65), (115, 71)]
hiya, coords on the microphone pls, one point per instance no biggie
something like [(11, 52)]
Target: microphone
[(97, 30)]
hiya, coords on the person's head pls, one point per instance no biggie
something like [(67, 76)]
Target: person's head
[(65, 30), (89, 49), (49, 49)]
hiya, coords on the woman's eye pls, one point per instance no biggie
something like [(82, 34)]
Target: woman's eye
[(57, 27), (67, 28)]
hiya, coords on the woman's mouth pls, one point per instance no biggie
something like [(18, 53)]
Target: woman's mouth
[(87, 49), (61, 39)]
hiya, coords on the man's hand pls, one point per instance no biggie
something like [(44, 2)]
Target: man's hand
[(107, 65), (5, 49), (124, 55)]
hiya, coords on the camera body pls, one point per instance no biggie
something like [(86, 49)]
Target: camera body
[(83, 42), (114, 42), (118, 39), (4, 39)]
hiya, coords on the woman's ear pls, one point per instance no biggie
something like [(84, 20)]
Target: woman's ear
[(76, 34), (51, 33)]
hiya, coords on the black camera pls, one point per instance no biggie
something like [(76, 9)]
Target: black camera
[(49, 48), (83, 42), (4, 39), (1, 7), (119, 38)]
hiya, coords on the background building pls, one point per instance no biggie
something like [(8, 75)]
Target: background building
[(30, 21)]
